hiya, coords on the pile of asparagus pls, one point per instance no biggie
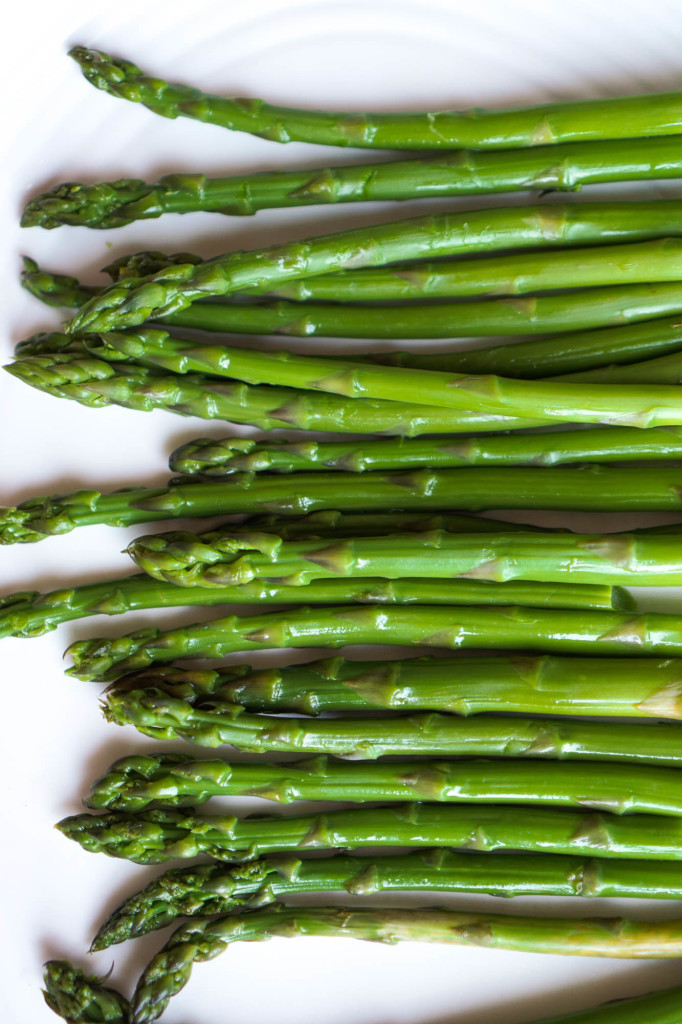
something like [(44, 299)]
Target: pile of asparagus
[(365, 541)]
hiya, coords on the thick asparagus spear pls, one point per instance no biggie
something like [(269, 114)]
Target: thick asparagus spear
[(590, 488), (164, 717), (170, 970), (223, 557), (222, 456), (564, 353), (657, 114), (111, 204), (133, 783), (75, 374), (560, 402), (208, 889), (80, 998), (622, 687), (155, 836), (132, 301)]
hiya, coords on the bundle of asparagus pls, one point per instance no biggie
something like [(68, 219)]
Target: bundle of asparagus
[(346, 533)]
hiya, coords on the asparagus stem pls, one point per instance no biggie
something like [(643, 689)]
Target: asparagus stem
[(563, 354), (164, 717), (655, 1008), (560, 402), (220, 457), (170, 970), (157, 835), (111, 204), (131, 302), (80, 998), (621, 687), (133, 783), (624, 117), (224, 557), (209, 889), (77, 375)]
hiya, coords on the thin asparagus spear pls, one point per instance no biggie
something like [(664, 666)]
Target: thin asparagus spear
[(75, 374), (539, 629), (208, 889), (80, 998), (560, 402), (217, 457), (622, 687), (170, 970), (561, 354), (589, 488), (176, 780), (111, 204), (154, 836), (133, 301), (589, 120), (164, 717), (654, 1008)]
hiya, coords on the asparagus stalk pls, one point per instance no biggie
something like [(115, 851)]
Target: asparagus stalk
[(565, 353), (164, 717), (155, 836), (621, 687), (112, 204), (80, 998), (560, 402), (624, 117), (209, 889), (75, 374), (590, 488), (133, 301), (220, 457), (170, 970), (176, 780), (224, 558)]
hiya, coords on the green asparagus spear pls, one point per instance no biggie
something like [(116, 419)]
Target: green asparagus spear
[(218, 722), (132, 301), (208, 889), (565, 353), (217, 457), (622, 687), (170, 970), (154, 836), (75, 374), (133, 783), (657, 114), (224, 558), (655, 1008), (589, 488), (111, 204), (560, 402), (80, 998)]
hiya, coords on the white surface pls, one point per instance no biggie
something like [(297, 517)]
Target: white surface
[(388, 55)]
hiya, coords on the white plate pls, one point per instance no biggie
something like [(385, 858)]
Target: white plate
[(390, 55)]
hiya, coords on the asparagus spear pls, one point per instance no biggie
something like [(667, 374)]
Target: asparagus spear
[(164, 717), (622, 687), (80, 998), (565, 353), (111, 204), (223, 557), (590, 488), (656, 1008), (208, 889), (132, 301), (74, 373), (560, 402), (157, 835), (589, 120), (217, 457), (133, 783), (170, 970)]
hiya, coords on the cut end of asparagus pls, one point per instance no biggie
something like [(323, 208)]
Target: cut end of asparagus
[(81, 998)]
